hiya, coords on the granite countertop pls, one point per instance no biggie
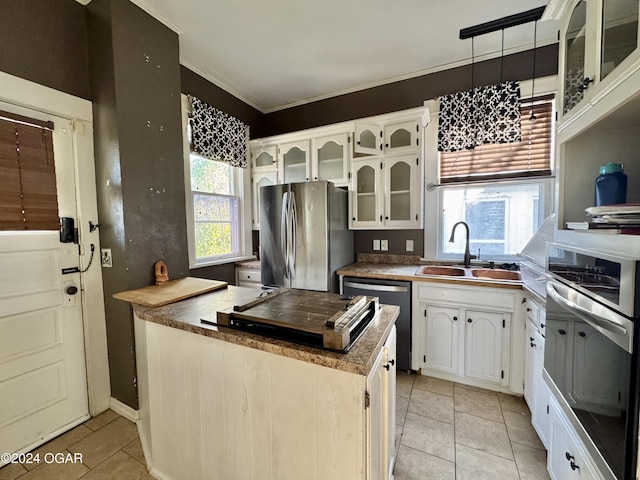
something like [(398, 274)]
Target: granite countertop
[(186, 315), (393, 271), (252, 264)]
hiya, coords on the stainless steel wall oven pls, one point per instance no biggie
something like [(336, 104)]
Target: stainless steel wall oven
[(591, 351)]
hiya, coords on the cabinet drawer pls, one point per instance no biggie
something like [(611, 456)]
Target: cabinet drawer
[(248, 275)]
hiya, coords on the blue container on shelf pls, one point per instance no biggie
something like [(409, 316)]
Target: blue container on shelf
[(611, 185)]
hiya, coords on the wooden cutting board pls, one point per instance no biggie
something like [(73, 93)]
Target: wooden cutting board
[(172, 291)]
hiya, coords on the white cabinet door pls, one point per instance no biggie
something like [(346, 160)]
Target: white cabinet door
[(260, 180), (390, 348), (402, 183), (557, 351), (566, 459), (330, 159), (263, 159), (368, 139), (376, 415), (541, 392), (401, 137), (442, 338), (366, 193), (529, 366), (294, 162), (483, 346)]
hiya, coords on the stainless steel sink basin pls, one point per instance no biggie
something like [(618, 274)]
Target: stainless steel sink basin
[(444, 271), (495, 274)]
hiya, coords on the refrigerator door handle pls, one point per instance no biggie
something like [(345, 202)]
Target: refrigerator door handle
[(283, 232), (293, 221)]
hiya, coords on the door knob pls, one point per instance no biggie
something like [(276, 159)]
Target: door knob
[(72, 290)]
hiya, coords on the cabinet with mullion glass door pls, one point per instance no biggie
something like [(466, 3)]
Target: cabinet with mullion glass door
[(331, 158), (598, 49), (259, 180), (264, 159), (366, 193), (402, 184), (387, 138), (294, 162)]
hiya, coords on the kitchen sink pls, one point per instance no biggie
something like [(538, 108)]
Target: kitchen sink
[(445, 271), (495, 274)]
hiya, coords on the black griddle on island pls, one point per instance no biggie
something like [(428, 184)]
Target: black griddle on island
[(318, 319)]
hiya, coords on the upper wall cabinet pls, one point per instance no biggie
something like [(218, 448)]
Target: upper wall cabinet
[(294, 161), (387, 139), (598, 50), (330, 158), (263, 159)]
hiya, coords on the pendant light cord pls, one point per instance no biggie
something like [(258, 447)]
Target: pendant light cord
[(532, 118)]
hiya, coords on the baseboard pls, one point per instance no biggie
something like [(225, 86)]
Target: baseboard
[(124, 410)]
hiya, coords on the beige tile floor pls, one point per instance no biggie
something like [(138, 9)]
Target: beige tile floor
[(444, 431), (448, 431), (110, 449)]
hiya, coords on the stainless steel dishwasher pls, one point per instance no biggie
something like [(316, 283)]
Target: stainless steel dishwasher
[(390, 292)]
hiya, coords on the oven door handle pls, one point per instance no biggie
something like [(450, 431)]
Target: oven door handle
[(554, 290)]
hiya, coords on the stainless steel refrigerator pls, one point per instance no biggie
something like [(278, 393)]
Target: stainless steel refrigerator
[(304, 235)]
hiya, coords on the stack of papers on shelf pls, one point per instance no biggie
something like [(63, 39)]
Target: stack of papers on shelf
[(624, 218)]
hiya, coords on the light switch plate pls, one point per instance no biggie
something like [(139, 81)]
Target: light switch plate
[(409, 246), (376, 244), (384, 245)]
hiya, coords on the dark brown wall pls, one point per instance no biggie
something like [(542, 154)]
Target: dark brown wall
[(135, 80), (46, 42), (408, 93)]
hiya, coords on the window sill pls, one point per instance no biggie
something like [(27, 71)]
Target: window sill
[(222, 261)]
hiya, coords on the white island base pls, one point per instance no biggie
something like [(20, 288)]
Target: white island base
[(213, 409)]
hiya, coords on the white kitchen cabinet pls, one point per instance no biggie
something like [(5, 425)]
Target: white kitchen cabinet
[(529, 370), (464, 334), (317, 422), (368, 139), (598, 48), (331, 158), (294, 161), (483, 346), (264, 159), (541, 393), (403, 137), (259, 180), (566, 458), (385, 193), (248, 277), (440, 335), (381, 430)]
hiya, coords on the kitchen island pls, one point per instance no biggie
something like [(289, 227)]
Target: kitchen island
[(226, 404)]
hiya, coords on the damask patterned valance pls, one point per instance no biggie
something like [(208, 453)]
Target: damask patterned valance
[(217, 135), (487, 114)]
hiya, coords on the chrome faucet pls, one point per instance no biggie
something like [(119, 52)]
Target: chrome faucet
[(467, 253)]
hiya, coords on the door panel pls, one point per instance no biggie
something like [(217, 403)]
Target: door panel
[(43, 385)]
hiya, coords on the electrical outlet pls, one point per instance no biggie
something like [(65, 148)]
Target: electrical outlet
[(105, 257), (376, 244), (409, 246), (384, 245)]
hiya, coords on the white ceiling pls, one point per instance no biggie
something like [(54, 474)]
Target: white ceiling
[(280, 53)]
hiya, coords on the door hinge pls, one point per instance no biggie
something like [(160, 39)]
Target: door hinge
[(367, 400), (349, 175), (424, 358), (417, 127), (417, 161), (425, 312), (349, 139), (547, 409), (504, 323), (380, 162), (416, 217), (502, 374), (417, 141)]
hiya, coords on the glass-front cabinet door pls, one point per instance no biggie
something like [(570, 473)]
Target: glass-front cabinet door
[(401, 188), (294, 158), (331, 159), (366, 193), (619, 37), (263, 159), (576, 66), (401, 137), (260, 180), (368, 139)]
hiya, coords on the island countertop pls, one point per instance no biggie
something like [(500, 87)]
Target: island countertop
[(187, 315)]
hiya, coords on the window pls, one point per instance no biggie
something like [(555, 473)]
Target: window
[(216, 212), (503, 192)]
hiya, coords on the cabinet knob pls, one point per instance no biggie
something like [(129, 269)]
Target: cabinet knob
[(72, 290), (307, 179), (533, 345), (528, 309), (573, 466), (455, 319), (582, 334), (315, 178), (568, 456), (531, 339), (469, 320), (585, 84), (354, 219), (386, 218), (386, 145), (542, 325), (562, 332)]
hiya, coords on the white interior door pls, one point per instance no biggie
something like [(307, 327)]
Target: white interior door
[(43, 385)]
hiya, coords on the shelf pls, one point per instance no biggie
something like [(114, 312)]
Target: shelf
[(400, 192), (367, 194)]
